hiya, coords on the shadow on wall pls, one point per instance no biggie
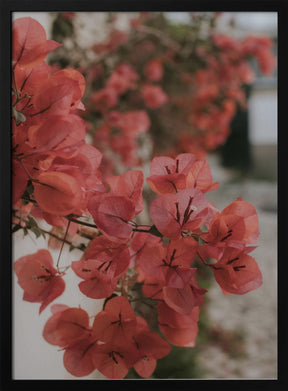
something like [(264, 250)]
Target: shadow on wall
[(264, 162), (251, 147)]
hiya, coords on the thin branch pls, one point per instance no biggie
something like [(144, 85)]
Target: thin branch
[(71, 219), (66, 241), (160, 35), (62, 246)]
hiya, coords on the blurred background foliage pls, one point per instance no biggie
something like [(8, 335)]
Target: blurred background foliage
[(202, 78)]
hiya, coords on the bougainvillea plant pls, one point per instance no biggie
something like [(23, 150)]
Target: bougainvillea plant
[(57, 178), (177, 86)]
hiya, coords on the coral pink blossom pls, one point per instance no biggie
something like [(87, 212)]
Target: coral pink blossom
[(154, 70), (38, 278), (178, 329), (101, 266), (30, 45), (236, 272), (173, 214), (112, 215), (185, 171), (154, 96)]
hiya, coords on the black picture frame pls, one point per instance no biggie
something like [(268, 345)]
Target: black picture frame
[(7, 8)]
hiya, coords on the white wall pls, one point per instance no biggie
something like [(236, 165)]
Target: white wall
[(263, 116)]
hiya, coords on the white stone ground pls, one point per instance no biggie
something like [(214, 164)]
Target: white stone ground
[(253, 314)]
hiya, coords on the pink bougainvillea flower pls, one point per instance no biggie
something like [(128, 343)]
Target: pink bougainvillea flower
[(76, 136), (125, 147), (120, 133), (185, 171), (104, 99), (236, 226), (169, 175), (261, 48), (249, 214), (141, 324), (125, 341), (154, 96), (78, 358), (70, 74), (168, 276), (135, 122), (138, 243), (225, 42), (60, 94), (153, 288), (104, 250), (170, 263), (122, 78), (224, 230), (87, 160), (30, 45), (129, 185), (97, 284), (236, 272), (58, 193), (164, 165), (113, 360), (154, 70), (69, 329), (150, 347), (178, 329), (38, 278), (49, 135), (29, 80), (66, 326), (267, 62), (130, 123), (102, 265), (116, 323), (184, 299), (186, 210), (60, 136), (112, 214), (200, 176)]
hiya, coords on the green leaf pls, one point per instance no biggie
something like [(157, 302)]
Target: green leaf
[(36, 231), (31, 222), (24, 202), (154, 231), (203, 228), (16, 228), (201, 241), (29, 189)]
